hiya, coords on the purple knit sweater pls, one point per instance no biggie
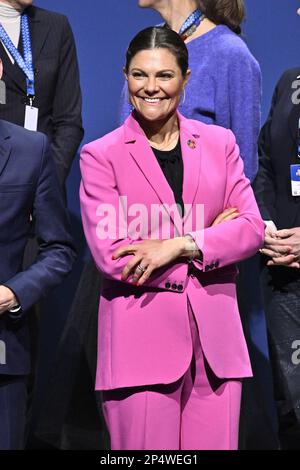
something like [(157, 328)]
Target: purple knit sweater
[(224, 89)]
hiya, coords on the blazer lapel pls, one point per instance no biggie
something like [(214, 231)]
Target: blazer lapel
[(141, 152), (5, 147), (293, 123), (191, 155), (38, 32)]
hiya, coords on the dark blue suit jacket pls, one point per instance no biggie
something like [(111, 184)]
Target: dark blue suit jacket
[(58, 95), (278, 143), (28, 188)]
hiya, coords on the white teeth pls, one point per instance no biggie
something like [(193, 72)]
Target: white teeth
[(152, 100)]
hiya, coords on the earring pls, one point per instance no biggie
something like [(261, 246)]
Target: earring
[(182, 98), (130, 105)]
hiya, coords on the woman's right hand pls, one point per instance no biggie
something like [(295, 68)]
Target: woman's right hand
[(227, 214)]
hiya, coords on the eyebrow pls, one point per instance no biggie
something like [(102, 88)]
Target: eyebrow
[(160, 71)]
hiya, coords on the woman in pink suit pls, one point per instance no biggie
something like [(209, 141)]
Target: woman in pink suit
[(171, 350)]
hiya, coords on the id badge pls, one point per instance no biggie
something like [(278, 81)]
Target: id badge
[(2, 92), (295, 179), (31, 118)]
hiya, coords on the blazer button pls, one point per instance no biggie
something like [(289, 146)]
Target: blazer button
[(180, 287), (167, 285), (174, 286)]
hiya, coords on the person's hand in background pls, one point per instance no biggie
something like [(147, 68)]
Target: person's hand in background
[(7, 299), (283, 247)]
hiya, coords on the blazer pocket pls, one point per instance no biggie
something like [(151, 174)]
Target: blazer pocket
[(15, 188)]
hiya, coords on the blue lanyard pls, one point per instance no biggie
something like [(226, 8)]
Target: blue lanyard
[(193, 19), (25, 64)]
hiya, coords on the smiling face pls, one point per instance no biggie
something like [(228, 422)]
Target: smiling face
[(155, 84)]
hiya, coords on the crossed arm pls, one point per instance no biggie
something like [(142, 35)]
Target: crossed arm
[(154, 254), (157, 263)]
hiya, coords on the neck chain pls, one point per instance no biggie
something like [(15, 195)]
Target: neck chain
[(191, 24)]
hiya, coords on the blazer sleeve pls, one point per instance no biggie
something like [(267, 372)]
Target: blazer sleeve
[(264, 184), (97, 187), (52, 228), (67, 122), (238, 239)]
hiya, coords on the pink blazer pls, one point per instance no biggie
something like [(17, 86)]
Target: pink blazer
[(144, 334)]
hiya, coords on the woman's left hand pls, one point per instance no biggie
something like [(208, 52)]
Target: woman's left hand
[(148, 256)]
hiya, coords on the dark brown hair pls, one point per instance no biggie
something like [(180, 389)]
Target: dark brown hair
[(228, 12), (159, 37)]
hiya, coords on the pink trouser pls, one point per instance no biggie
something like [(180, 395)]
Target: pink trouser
[(198, 412)]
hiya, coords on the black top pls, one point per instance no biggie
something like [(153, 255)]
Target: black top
[(171, 164)]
